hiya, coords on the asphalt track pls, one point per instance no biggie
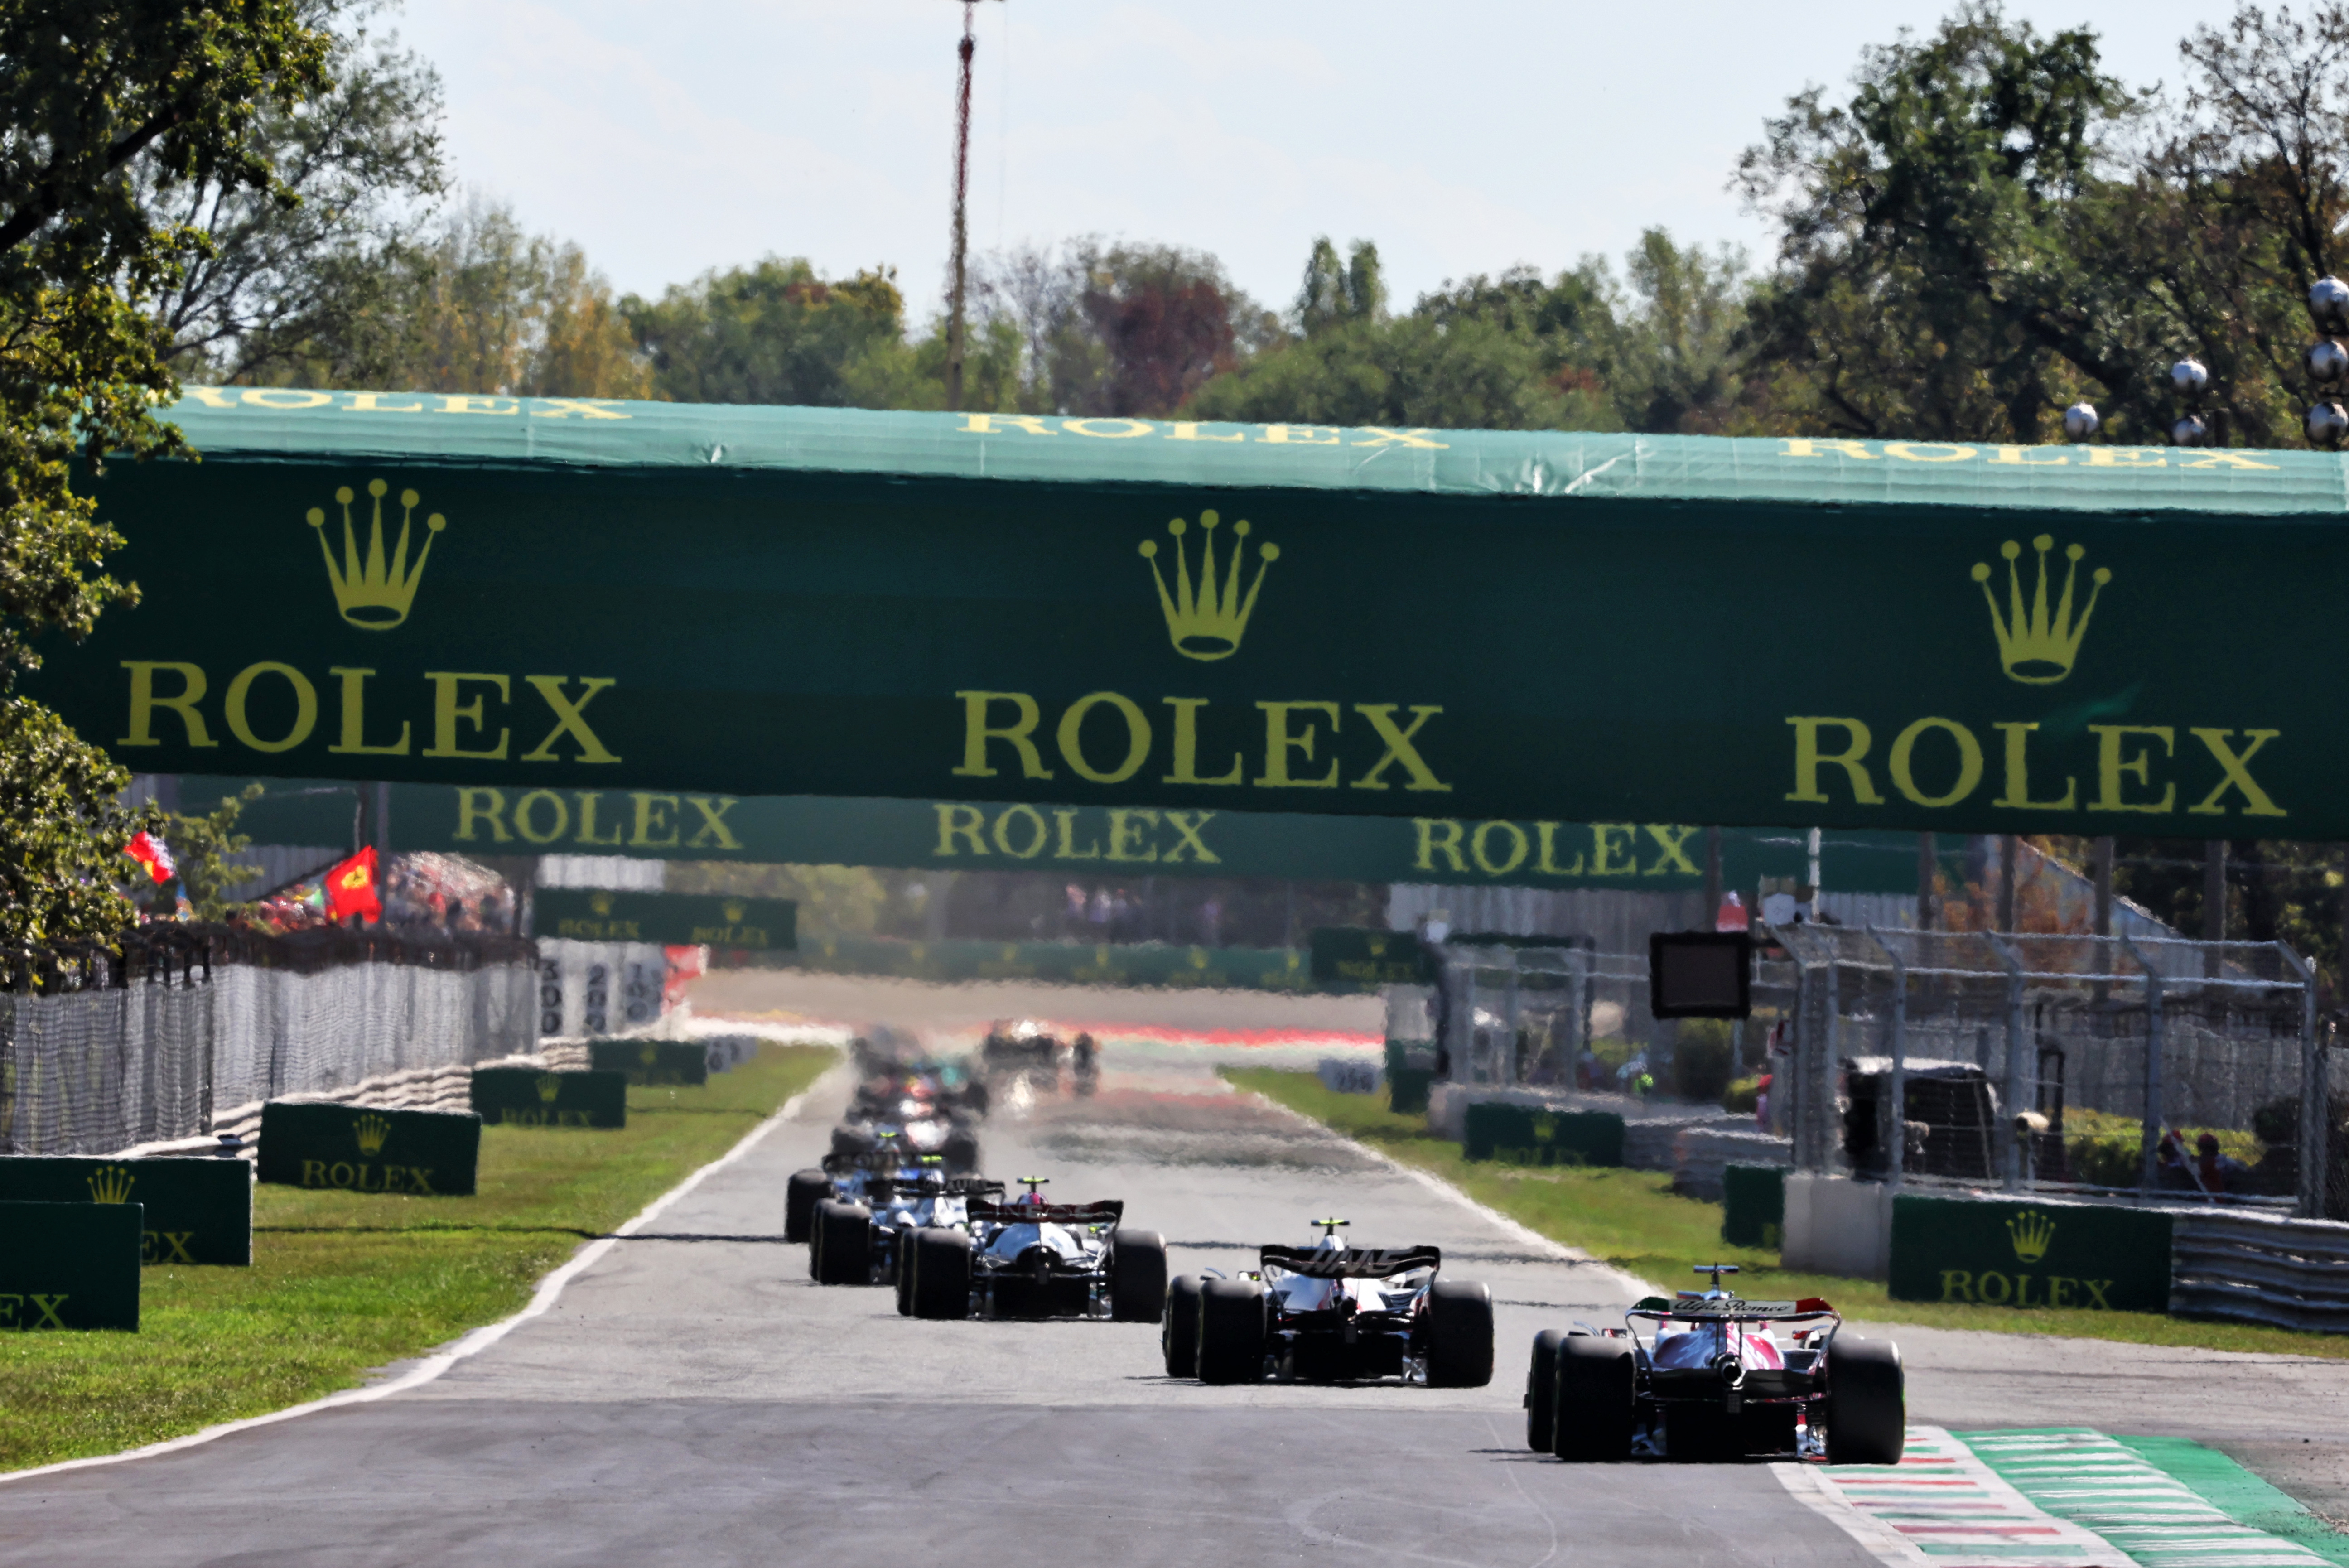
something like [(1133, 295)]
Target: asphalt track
[(692, 1398)]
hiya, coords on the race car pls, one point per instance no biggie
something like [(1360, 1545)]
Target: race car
[(911, 1106), (1023, 1052), (1707, 1375), (1031, 1259), (1329, 1313), (844, 1176)]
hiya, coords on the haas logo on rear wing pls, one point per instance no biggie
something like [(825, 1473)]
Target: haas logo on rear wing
[(1351, 1263), (1104, 1213)]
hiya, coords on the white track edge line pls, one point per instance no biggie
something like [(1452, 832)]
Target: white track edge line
[(1437, 1184), (1875, 1537), (472, 1342)]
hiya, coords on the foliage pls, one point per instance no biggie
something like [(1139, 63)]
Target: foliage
[(202, 848), (1743, 1097), (1703, 1059), (775, 332), (832, 898), (106, 106)]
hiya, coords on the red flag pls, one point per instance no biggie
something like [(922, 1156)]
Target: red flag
[(154, 855), (350, 888)]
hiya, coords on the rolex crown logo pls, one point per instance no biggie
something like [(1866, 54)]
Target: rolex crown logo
[(600, 902), (374, 595), (1206, 621), (2030, 1231), (549, 1087), (2034, 646), (110, 1184), (372, 1130), (734, 909)]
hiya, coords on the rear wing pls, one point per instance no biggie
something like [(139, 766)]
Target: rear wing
[(1694, 1309), (887, 1160), (1350, 1262), (1104, 1213), (929, 1185)]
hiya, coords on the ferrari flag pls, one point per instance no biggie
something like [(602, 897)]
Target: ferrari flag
[(351, 888), (153, 854)]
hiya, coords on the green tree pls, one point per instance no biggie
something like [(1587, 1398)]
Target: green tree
[(104, 105), (202, 848), (775, 332)]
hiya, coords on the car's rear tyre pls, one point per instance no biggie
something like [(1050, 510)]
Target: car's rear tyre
[(853, 1140), (806, 1190), (1459, 1333), (961, 1154), (815, 1238), (941, 1273), (1592, 1418), (1541, 1391), (1178, 1332), (903, 1244), (1137, 1276), (844, 1233), (1867, 1402), (1231, 1331)]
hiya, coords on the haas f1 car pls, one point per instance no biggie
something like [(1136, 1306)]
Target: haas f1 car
[(1030, 1259), (858, 1239), (1710, 1376), (1330, 1313)]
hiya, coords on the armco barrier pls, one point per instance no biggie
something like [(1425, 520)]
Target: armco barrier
[(522, 1096), (2289, 1274), (2006, 1252), (352, 1148), (198, 1210), (1752, 1205), (70, 1265), (1521, 1135), (652, 1060)]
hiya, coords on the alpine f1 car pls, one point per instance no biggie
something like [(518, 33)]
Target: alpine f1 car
[(1330, 1313), (1030, 1258), (1707, 1375)]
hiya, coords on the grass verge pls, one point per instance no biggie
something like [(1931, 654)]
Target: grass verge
[(1633, 1220), (342, 1283)]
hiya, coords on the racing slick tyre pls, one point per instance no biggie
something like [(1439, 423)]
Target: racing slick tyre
[(1137, 1276), (961, 1153), (853, 1140), (1592, 1410), (1231, 1331), (843, 1243), (1460, 1333), (903, 1242), (806, 1190), (1867, 1403), (941, 1273), (1541, 1391), (1178, 1334)]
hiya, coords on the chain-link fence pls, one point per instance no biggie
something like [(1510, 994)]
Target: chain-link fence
[(2161, 1068), (178, 1033), (1532, 1016)]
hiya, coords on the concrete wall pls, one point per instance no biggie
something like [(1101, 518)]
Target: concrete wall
[(1838, 1226)]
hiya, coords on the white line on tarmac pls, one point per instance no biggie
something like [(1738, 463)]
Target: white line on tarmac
[(473, 1343)]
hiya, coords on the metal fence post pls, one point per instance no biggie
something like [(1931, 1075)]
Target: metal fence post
[(2316, 1122), (1513, 1068), (1897, 1122), (2150, 1162), (2010, 1148)]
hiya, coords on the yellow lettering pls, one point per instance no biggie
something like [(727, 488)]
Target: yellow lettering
[(2059, 1290), (1137, 732), (1546, 834), (2125, 457), (1809, 758), (1986, 1280), (567, 720), (525, 818), (48, 1307), (1188, 429), (1399, 747), (1669, 837), (1125, 833), (2238, 771), (1186, 825), (1187, 745), (1440, 834), (963, 822), (713, 831), (1602, 847), (1035, 840), (653, 817), (988, 424), (2229, 460), (306, 706), (2049, 456), (354, 741), (1970, 761), (2018, 784), (1957, 1285), (446, 715), (469, 810), (588, 799), (1381, 436), (313, 1173), (372, 403), (1067, 849), (2111, 765), (1278, 743), (277, 398), (977, 731), (1300, 435), (563, 407), (1799, 446), (211, 397), (1517, 849), (2095, 1289), (463, 404), (144, 703), (1912, 451), (1081, 427)]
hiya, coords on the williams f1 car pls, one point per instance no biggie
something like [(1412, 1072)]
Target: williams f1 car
[(1330, 1313), (1707, 1375), (1030, 1258)]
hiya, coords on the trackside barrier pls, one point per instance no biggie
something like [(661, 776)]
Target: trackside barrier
[(357, 1149), (2288, 1274), (1752, 1205), (1521, 1135), (198, 1210), (1411, 1068), (2044, 1253), (70, 1265), (1341, 1075), (524, 1097), (652, 1060)]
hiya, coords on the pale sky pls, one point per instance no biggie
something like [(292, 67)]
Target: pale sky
[(674, 136)]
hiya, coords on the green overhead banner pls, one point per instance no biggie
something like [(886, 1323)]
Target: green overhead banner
[(599, 915), (640, 609), (1104, 841)]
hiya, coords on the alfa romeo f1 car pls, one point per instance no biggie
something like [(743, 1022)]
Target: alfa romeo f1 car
[(1709, 1376), (1330, 1313), (1030, 1259)]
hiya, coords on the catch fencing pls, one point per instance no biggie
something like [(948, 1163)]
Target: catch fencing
[(1529, 1016), (2161, 1069), (185, 1033)]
